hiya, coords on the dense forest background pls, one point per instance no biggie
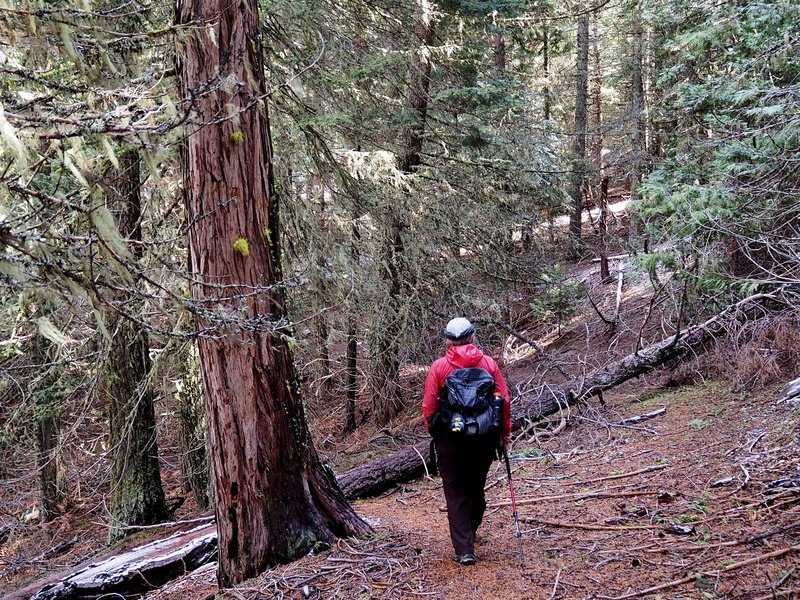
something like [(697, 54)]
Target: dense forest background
[(422, 160)]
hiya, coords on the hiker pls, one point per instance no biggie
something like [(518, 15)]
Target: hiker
[(466, 433)]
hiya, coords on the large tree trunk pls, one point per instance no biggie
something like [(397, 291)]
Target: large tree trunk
[(137, 497), (579, 144), (411, 462), (273, 498)]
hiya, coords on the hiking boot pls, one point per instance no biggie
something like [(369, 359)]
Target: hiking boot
[(468, 558)]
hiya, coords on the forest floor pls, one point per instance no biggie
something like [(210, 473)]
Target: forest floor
[(700, 501)]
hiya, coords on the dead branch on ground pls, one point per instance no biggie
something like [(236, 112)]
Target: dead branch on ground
[(712, 574)]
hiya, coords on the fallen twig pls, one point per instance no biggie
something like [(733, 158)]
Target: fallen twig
[(645, 417), (424, 462), (746, 475), (555, 586), (555, 431), (574, 496), (202, 519), (711, 574), (619, 475), (752, 444), (588, 526), (765, 501), (615, 257)]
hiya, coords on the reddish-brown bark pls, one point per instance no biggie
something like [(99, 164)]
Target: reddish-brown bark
[(274, 499)]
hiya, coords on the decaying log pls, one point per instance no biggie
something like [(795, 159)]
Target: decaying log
[(381, 474), (686, 342), (138, 570)]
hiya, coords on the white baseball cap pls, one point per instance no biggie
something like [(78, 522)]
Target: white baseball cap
[(458, 328)]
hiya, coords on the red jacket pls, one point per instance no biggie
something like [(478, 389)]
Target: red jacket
[(463, 357)]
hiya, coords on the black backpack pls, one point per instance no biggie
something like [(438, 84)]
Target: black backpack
[(467, 406)]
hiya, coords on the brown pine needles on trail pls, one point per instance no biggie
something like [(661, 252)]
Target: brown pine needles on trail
[(702, 504), (383, 566), (697, 476), (710, 574)]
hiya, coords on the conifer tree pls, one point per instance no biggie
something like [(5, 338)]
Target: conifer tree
[(579, 143), (137, 497), (274, 500)]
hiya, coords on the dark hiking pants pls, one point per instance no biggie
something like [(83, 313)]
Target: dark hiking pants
[(464, 464)]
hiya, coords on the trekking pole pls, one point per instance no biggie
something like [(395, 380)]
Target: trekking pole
[(518, 533)]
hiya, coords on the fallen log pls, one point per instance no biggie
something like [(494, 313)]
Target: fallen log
[(377, 476), (383, 473), (136, 571), (688, 341)]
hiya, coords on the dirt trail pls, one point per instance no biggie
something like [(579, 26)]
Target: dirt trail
[(612, 503), (706, 437)]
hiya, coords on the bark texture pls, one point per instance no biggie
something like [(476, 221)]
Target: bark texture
[(273, 499), (382, 474), (137, 497), (133, 573)]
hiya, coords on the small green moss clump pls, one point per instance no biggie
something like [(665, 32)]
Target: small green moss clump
[(242, 246)]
